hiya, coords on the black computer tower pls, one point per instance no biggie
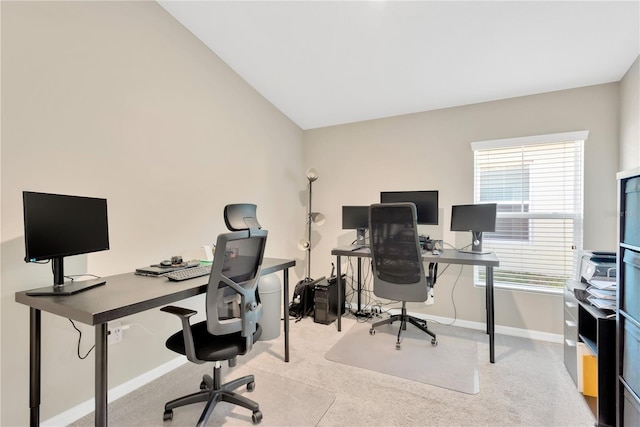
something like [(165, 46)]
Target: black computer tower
[(326, 300)]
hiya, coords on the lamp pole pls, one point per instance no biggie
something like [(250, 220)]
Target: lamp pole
[(309, 233)]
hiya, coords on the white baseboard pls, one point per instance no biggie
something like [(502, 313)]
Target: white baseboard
[(481, 326), (81, 410), (87, 407)]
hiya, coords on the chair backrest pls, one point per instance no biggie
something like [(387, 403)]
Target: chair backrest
[(232, 299), (398, 270), (241, 216)]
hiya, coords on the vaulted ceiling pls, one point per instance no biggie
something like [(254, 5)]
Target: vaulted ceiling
[(324, 63)]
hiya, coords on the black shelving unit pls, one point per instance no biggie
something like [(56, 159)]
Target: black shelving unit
[(597, 330), (628, 301)]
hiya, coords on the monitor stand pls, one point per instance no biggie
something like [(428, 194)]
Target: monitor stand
[(360, 240), (462, 251), (476, 245), (69, 288), (59, 286)]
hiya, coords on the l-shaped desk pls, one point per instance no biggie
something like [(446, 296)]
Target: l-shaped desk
[(122, 295), (448, 256)]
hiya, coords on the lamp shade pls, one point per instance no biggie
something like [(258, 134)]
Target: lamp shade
[(304, 244), (317, 218), (312, 174)]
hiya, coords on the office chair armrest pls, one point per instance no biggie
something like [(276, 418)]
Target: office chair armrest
[(179, 311), (248, 305), (184, 314)]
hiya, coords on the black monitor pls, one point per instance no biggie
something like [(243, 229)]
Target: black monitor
[(356, 218), (426, 203), (58, 226), (475, 218)]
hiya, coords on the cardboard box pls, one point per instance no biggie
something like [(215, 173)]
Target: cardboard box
[(589, 375)]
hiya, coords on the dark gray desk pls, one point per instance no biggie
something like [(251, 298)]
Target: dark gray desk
[(122, 295), (449, 256)]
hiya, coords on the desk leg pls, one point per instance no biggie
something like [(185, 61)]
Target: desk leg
[(101, 375), (487, 297), (34, 365), (359, 285), (340, 302), (490, 315), (285, 279)]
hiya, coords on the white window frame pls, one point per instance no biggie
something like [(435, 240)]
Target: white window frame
[(575, 216)]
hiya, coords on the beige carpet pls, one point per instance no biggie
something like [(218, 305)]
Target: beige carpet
[(452, 364), (527, 386), (306, 404)]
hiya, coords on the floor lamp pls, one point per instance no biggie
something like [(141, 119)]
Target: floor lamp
[(312, 218)]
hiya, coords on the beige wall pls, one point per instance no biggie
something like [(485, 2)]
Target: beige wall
[(431, 151), (118, 100), (630, 118), (101, 98)]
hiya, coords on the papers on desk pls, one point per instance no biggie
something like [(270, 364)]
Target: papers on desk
[(602, 293), (608, 294), (609, 284), (605, 304)]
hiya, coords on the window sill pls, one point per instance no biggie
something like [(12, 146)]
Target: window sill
[(528, 289)]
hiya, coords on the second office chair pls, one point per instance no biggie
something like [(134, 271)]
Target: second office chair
[(398, 269)]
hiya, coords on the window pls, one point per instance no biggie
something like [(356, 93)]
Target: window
[(537, 184)]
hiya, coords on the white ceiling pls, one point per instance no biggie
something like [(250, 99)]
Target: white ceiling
[(324, 63)]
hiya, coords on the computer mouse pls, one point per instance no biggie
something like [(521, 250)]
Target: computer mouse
[(165, 263)]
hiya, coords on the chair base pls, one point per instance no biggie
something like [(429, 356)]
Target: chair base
[(403, 317), (212, 392)]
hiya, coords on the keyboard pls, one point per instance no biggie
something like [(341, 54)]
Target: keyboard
[(189, 273)]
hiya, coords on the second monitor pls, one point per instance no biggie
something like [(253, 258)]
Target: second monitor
[(476, 219), (356, 218), (426, 203)]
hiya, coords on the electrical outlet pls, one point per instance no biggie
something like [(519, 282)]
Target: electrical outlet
[(114, 332)]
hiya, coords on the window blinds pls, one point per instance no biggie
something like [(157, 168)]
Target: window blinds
[(537, 184)]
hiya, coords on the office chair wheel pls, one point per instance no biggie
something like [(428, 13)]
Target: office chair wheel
[(203, 385), (434, 342), (372, 331), (256, 417), (251, 386), (168, 415)]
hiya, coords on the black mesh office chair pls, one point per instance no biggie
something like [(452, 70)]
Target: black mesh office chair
[(398, 270), (233, 311)]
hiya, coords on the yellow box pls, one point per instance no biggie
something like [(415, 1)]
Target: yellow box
[(589, 375)]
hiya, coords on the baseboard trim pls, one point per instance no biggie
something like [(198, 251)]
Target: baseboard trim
[(481, 326), (81, 410)]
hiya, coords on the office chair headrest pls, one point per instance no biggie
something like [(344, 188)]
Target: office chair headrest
[(241, 216)]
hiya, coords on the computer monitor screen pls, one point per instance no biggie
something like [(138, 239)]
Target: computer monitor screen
[(426, 203), (57, 226), (479, 218), (355, 217)]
